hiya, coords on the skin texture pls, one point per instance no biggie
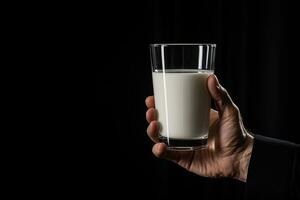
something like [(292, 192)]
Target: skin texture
[(229, 144)]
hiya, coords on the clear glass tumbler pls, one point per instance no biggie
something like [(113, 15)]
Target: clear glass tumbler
[(179, 73)]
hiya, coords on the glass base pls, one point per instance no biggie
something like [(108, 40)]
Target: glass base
[(184, 144)]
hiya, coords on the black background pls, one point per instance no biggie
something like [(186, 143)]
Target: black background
[(255, 41)]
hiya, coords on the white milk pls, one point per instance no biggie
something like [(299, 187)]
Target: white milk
[(184, 112)]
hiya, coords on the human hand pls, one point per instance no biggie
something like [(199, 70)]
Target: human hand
[(229, 144)]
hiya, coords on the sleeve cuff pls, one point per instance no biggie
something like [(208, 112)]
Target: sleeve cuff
[(270, 168)]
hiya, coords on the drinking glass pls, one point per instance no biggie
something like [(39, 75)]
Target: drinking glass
[(182, 100)]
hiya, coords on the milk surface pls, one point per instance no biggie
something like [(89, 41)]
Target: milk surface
[(183, 103)]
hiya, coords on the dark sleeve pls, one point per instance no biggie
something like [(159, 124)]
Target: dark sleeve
[(273, 170)]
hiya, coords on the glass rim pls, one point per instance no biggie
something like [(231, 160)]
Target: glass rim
[(183, 44)]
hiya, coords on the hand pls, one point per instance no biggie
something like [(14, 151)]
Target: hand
[(229, 144)]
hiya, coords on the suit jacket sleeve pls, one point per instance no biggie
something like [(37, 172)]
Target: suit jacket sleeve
[(274, 170)]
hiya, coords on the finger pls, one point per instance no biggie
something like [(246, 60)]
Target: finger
[(214, 115), (151, 114), (153, 130), (220, 95), (160, 150), (182, 158), (150, 102)]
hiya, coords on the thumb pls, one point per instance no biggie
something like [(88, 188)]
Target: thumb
[(221, 97)]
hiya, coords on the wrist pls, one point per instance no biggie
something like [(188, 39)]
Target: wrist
[(242, 161)]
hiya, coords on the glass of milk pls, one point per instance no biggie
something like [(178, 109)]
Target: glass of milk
[(179, 73)]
